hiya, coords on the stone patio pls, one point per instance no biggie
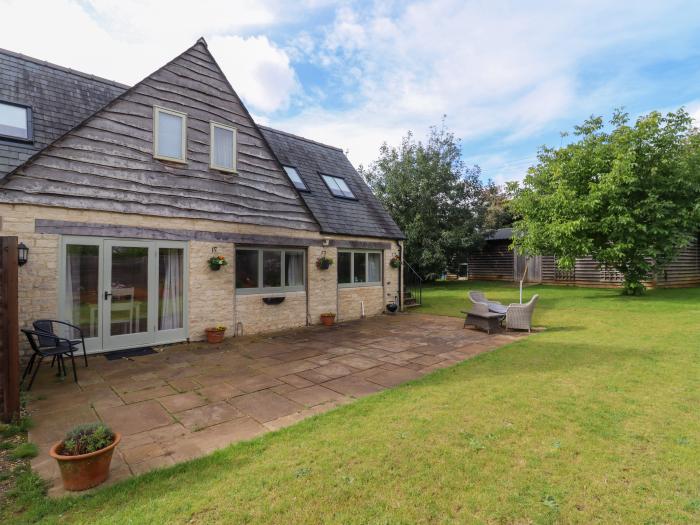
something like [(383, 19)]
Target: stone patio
[(191, 399)]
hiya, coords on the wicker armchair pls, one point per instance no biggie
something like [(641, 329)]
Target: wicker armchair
[(519, 316), (479, 298)]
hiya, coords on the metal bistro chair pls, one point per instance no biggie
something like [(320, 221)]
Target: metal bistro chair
[(48, 327), (60, 346)]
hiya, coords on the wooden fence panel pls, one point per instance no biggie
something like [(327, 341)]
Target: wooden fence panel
[(9, 330)]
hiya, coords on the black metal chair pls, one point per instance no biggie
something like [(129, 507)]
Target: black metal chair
[(59, 347), (47, 325)]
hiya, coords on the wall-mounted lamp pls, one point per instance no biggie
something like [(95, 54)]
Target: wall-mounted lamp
[(22, 254)]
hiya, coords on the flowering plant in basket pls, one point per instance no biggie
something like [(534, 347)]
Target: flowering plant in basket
[(216, 262)]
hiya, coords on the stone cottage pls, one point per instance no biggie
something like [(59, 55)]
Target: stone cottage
[(129, 200)]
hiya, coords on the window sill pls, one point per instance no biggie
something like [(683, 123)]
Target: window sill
[(270, 292), (360, 285), (170, 160)]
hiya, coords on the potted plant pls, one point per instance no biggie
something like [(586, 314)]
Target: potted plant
[(215, 334), (395, 262), (324, 262), (85, 454), (217, 261), (328, 319)]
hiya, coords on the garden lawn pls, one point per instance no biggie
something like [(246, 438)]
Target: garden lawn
[(596, 419)]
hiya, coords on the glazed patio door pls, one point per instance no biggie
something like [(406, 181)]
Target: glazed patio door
[(128, 299), (124, 293)]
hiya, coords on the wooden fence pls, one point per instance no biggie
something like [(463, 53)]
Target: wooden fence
[(9, 330)]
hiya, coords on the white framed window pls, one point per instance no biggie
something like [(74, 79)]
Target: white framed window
[(15, 121), (359, 268), (294, 176), (169, 134), (269, 270), (222, 155), (338, 187)]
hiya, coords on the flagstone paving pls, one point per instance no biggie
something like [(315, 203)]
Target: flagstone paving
[(188, 400)]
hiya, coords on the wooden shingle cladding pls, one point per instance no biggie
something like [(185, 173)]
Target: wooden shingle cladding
[(107, 162), (495, 261)]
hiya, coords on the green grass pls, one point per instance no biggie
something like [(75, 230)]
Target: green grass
[(24, 450), (594, 420)]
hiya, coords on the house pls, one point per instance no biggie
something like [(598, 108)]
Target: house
[(124, 194), (496, 261)]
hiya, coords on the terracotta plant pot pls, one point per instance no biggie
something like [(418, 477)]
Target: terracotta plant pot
[(328, 319), (86, 470), (215, 336)]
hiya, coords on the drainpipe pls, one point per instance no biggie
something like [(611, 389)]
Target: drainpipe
[(401, 308)]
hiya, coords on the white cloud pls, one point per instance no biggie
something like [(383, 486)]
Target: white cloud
[(126, 40)]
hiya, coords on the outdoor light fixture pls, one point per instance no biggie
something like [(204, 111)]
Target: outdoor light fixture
[(22, 254)]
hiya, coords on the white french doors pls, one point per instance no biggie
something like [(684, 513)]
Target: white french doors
[(124, 293)]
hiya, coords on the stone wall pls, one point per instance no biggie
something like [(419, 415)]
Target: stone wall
[(256, 317), (38, 279), (322, 284), (211, 293)]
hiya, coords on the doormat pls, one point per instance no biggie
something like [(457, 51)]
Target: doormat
[(131, 352)]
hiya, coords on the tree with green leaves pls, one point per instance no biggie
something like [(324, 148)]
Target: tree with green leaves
[(434, 197), (628, 195)]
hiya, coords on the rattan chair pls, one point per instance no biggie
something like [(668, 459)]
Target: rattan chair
[(477, 297), (519, 316)]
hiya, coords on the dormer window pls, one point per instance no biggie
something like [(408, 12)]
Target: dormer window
[(294, 176), (338, 187), (169, 134), (223, 147), (15, 122)]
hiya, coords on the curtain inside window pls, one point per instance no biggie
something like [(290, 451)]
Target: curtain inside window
[(374, 267), (80, 303), (170, 135), (223, 148), (171, 298), (294, 261)]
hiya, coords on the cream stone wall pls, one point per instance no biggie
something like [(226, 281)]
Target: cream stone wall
[(256, 317), (38, 279), (212, 298), (323, 284), (211, 293)]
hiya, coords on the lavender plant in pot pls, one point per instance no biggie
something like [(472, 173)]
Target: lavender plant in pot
[(85, 454)]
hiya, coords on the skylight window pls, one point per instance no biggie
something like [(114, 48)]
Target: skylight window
[(338, 187), (293, 175), (15, 121)]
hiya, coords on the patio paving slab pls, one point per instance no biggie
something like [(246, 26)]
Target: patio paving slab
[(190, 399), (132, 419)]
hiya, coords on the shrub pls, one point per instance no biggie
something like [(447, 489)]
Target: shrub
[(84, 439)]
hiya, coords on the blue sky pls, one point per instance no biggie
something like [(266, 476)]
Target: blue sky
[(509, 75)]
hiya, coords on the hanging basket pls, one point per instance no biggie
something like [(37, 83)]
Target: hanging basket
[(395, 262), (216, 262), (323, 263)]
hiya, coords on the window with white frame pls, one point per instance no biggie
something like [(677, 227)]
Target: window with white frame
[(359, 268), (223, 147), (262, 270), (169, 134), (15, 122)]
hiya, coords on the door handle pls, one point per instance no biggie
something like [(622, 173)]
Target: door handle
[(107, 294)]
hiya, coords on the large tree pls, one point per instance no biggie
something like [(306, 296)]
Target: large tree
[(626, 194), (434, 197)]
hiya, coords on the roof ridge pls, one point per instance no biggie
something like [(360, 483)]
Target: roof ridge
[(63, 68), (299, 137)]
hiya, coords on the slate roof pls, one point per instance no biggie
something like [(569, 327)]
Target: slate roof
[(364, 216), (60, 99)]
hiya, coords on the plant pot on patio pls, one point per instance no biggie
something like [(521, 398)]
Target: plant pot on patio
[(84, 456), (215, 334), (328, 319)]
